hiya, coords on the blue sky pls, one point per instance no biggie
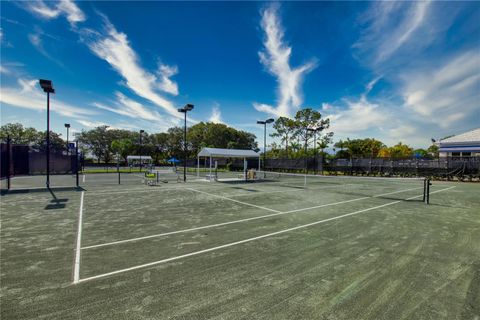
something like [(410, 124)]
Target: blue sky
[(396, 71)]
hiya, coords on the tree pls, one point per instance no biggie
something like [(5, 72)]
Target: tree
[(360, 147), (175, 142), (324, 141), (30, 136), (384, 152), (19, 134), (159, 141), (218, 135), (123, 147), (433, 150), (285, 128), (57, 144), (309, 118), (401, 150), (421, 153), (98, 142)]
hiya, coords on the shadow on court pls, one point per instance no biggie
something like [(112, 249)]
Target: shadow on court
[(55, 203)]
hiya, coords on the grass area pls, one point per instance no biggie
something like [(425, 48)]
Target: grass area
[(203, 250)]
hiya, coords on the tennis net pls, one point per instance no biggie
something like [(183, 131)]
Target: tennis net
[(367, 186)]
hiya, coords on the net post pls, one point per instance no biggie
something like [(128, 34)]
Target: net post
[(424, 199), (428, 191)]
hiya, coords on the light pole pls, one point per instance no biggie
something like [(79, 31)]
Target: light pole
[(265, 138), (314, 130), (67, 125), (184, 110), (141, 132), (47, 87)]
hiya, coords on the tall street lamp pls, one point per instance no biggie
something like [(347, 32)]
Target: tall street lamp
[(185, 109), (314, 130), (265, 138), (47, 87), (141, 132), (67, 125)]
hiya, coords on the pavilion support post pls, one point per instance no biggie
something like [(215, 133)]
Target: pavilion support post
[(245, 168), (210, 176), (198, 166)]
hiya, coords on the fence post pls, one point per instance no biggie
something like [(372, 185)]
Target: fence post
[(8, 162), (76, 164)]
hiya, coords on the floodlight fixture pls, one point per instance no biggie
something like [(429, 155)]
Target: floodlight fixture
[(186, 108), (47, 86)]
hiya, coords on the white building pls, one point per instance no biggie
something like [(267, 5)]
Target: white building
[(462, 145)]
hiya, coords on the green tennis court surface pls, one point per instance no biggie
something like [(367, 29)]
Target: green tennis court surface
[(336, 249)]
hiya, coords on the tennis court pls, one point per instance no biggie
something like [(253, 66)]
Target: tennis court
[(281, 248)]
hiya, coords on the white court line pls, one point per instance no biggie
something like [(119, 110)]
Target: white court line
[(83, 180), (239, 221), (248, 240), (296, 190), (76, 269), (241, 202)]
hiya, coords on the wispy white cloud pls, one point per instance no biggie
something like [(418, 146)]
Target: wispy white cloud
[(55, 9), (355, 116), (4, 70), (430, 91), (390, 26), (130, 108), (36, 39), (27, 95), (166, 84), (276, 59), (3, 39), (113, 47), (93, 124), (216, 116), (446, 94), (72, 11)]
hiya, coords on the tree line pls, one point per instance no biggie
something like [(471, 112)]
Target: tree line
[(306, 129), (103, 143), (372, 148), (297, 134)]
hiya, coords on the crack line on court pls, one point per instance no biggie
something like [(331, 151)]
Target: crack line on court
[(249, 239), (241, 220)]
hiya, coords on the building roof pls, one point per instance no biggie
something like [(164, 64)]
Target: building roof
[(467, 137), (139, 157), (228, 153)]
